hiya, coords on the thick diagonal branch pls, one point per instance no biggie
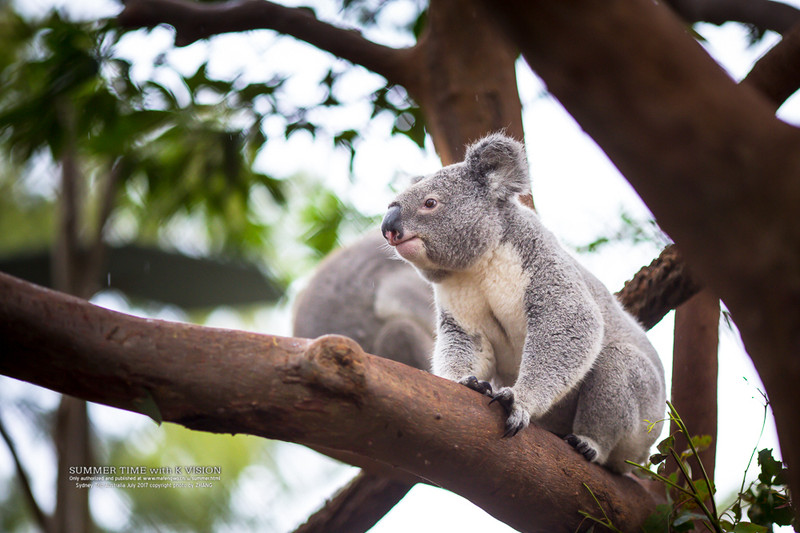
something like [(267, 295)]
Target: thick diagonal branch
[(194, 21), (322, 393)]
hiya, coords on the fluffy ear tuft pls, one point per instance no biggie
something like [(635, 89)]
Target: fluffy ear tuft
[(499, 161)]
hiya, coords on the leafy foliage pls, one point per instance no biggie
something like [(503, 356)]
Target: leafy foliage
[(367, 12), (632, 231), (206, 508), (766, 499), (409, 120), (691, 498), (185, 151)]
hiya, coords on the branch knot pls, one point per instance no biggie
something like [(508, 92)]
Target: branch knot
[(336, 364)]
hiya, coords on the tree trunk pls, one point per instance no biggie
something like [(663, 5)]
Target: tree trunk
[(71, 438), (694, 374), (71, 431), (462, 73), (697, 147)]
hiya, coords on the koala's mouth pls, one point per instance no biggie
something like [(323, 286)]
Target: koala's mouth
[(409, 248)]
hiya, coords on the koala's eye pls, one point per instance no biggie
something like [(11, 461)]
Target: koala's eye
[(430, 203)]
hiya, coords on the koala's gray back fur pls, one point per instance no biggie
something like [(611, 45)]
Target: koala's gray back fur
[(364, 292), (516, 309)]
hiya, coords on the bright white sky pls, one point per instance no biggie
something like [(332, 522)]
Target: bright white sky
[(578, 193)]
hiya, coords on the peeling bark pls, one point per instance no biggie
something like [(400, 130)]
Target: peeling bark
[(658, 288)]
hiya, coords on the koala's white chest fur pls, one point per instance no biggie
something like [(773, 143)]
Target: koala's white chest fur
[(488, 300)]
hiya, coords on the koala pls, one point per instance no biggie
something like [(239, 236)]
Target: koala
[(363, 292), (518, 318)]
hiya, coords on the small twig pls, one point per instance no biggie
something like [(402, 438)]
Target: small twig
[(682, 426), (39, 515), (97, 248), (606, 520)]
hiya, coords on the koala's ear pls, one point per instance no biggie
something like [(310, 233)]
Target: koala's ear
[(499, 162)]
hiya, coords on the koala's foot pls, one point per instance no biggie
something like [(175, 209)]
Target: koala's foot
[(517, 418), (582, 446), (484, 387)]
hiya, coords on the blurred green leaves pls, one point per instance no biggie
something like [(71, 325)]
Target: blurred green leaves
[(408, 117), (631, 230), (199, 508), (183, 149)]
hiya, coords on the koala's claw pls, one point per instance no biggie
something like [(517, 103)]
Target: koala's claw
[(484, 387), (581, 446), (504, 397), (518, 419)]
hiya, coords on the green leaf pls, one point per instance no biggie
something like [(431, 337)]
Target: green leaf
[(411, 123), (323, 218), (665, 445), (701, 442), (747, 527), (147, 405), (736, 509), (658, 458), (274, 186), (704, 491), (420, 23), (686, 520), (658, 521), (301, 125), (770, 467), (162, 91), (252, 91)]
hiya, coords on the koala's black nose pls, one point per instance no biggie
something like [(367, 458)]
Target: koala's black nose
[(391, 228)]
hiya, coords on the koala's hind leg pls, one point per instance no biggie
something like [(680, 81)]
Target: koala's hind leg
[(583, 445), (405, 341), (608, 411)]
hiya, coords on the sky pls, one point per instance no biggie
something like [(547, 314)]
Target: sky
[(578, 192)]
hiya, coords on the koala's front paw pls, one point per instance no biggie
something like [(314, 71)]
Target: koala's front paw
[(517, 418), (484, 387), (583, 446)]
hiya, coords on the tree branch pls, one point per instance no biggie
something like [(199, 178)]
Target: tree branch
[(763, 14), (358, 505), (40, 517), (194, 21), (777, 74), (658, 288), (322, 393)]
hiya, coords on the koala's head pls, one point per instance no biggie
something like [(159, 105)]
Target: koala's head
[(445, 221)]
